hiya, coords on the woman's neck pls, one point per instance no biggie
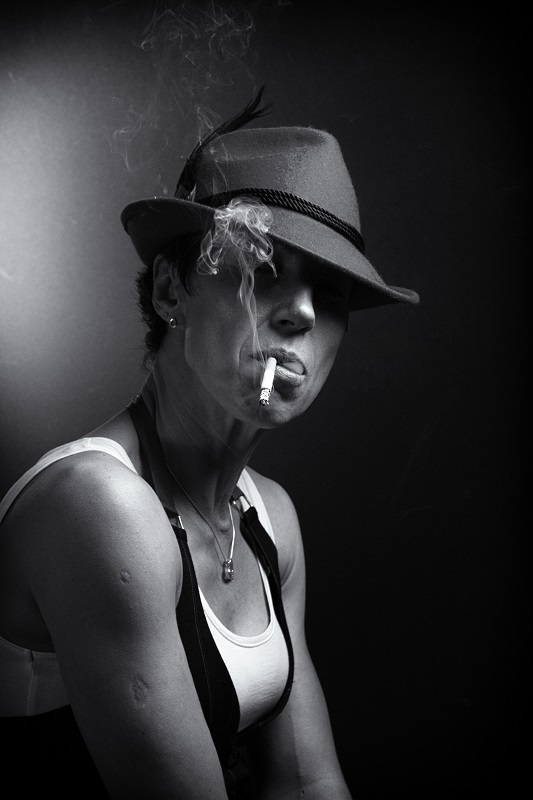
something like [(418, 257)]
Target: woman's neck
[(205, 449)]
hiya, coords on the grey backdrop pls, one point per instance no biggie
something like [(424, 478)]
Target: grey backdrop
[(407, 470)]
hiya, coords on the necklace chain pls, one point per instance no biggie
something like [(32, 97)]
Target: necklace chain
[(227, 563), (228, 571)]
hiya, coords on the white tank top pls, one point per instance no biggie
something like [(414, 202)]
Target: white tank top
[(30, 681)]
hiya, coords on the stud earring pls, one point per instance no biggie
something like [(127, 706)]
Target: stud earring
[(172, 322)]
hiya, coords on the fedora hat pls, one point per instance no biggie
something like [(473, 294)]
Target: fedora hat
[(299, 173)]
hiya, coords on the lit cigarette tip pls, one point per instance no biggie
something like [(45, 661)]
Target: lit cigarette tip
[(268, 381)]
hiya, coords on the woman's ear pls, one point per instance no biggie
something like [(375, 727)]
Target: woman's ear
[(167, 292)]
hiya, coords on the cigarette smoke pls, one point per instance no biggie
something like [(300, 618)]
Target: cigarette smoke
[(191, 60), (188, 57), (239, 232)]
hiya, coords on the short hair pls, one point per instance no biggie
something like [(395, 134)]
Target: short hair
[(181, 256)]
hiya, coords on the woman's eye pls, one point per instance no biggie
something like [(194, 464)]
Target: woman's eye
[(331, 290)]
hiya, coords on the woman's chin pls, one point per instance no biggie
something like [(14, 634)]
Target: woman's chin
[(280, 409)]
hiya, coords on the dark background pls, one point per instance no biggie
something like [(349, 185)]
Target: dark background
[(408, 471)]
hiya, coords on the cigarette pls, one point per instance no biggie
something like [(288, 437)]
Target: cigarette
[(268, 380)]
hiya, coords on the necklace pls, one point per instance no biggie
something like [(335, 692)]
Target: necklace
[(228, 570)]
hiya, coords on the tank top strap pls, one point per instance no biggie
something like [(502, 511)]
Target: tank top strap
[(99, 443)]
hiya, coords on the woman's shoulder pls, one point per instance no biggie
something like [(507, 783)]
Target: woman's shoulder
[(87, 474), (85, 502), (89, 539), (274, 496)]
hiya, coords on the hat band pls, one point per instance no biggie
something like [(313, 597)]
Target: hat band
[(275, 197)]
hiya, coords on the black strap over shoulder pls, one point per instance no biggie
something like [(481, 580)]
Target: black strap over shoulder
[(255, 534), (213, 684), (211, 678)]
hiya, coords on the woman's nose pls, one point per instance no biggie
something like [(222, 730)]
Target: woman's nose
[(296, 312)]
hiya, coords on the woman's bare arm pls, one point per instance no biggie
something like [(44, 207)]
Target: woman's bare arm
[(295, 753), (104, 569)]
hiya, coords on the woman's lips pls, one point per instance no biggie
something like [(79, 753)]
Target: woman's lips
[(286, 374), (292, 366), (288, 359), (290, 371)]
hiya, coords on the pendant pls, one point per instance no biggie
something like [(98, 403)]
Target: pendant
[(227, 572)]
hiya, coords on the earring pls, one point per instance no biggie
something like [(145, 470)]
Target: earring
[(172, 322)]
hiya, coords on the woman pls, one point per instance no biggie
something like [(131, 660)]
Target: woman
[(153, 641)]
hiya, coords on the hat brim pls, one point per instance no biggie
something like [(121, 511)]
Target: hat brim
[(154, 223)]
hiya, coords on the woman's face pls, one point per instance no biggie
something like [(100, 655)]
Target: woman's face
[(302, 316)]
